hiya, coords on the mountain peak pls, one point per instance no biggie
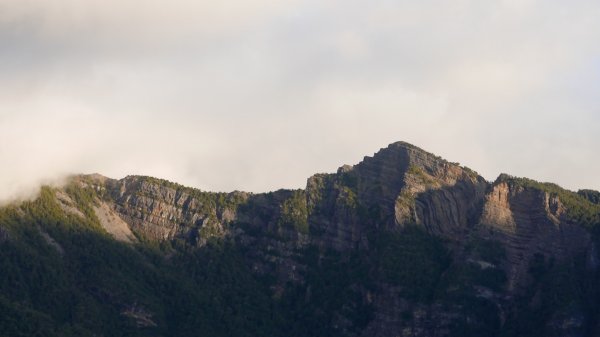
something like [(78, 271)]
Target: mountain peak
[(404, 144)]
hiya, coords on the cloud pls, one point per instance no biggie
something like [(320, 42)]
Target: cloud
[(258, 95)]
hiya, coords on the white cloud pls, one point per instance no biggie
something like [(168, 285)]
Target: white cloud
[(258, 95)]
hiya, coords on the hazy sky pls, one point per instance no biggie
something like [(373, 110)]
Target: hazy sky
[(259, 94)]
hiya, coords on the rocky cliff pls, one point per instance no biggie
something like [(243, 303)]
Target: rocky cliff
[(403, 243), (529, 222)]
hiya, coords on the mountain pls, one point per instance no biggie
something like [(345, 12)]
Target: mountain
[(403, 243)]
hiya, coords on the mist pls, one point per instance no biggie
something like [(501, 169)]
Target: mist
[(259, 95)]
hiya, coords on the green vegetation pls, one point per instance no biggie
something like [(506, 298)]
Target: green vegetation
[(558, 289), (63, 275), (85, 287), (407, 202), (84, 198), (92, 284), (348, 198), (332, 290), (349, 179), (318, 184), (413, 260), (490, 251), (406, 198), (590, 195), (418, 173), (472, 173), (208, 201), (294, 212), (472, 286)]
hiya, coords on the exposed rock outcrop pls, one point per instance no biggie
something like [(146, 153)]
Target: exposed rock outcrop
[(113, 223), (399, 185), (51, 242), (158, 211), (492, 232), (529, 221), (67, 204)]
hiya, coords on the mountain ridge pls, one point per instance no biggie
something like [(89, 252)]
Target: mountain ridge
[(403, 242)]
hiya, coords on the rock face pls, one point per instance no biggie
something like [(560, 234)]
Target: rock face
[(112, 223), (443, 197), (400, 184), (163, 212), (500, 241), (529, 222)]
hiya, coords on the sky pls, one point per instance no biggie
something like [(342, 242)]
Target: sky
[(258, 95)]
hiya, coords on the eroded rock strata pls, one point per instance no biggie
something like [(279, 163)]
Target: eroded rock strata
[(403, 243)]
